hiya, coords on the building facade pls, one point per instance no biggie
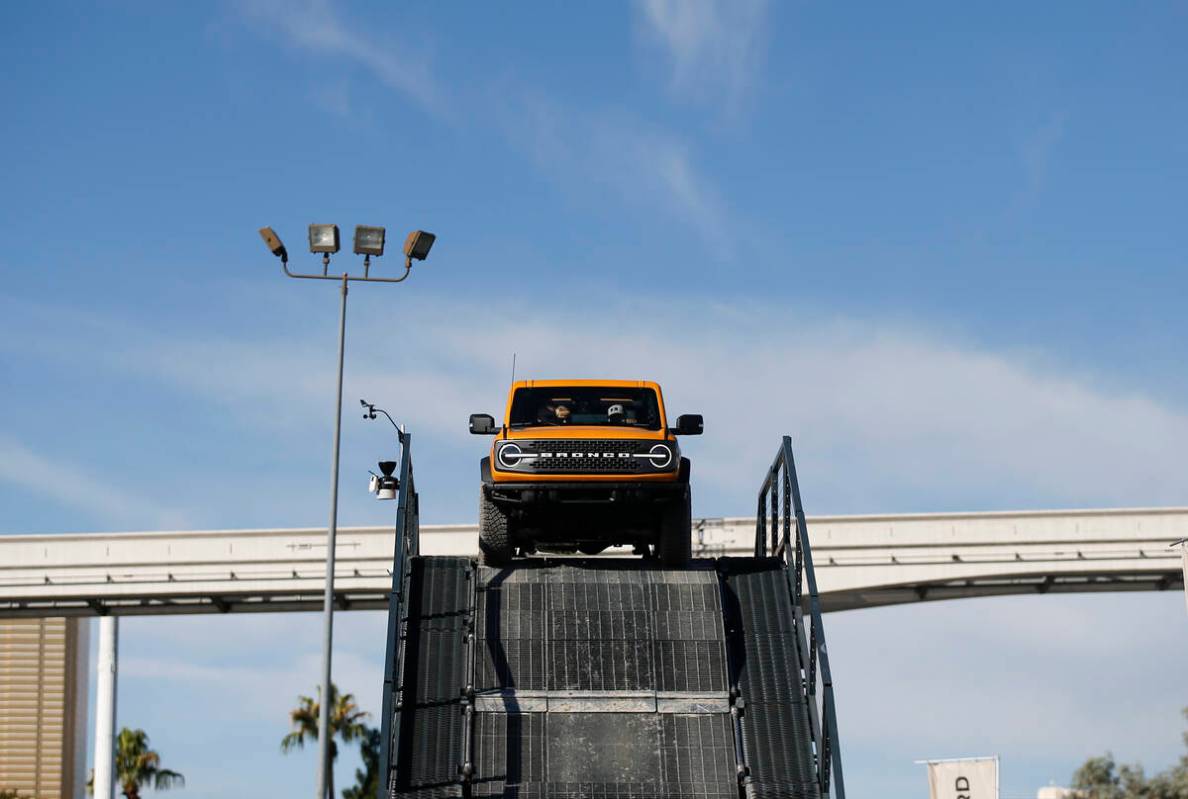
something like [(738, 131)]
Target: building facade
[(43, 707)]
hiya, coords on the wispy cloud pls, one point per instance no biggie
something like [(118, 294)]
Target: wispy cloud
[(592, 152), (713, 48), (1036, 149), (59, 481), (316, 26), (883, 413), (621, 159), (335, 98), (886, 417)]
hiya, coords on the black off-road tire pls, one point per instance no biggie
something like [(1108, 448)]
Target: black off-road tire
[(675, 546), (495, 544)]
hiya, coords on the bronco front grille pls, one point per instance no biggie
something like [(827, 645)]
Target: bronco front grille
[(599, 457), (552, 456)]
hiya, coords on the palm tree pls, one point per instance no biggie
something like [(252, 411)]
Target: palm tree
[(367, 778), (137, 765), (346, 722)]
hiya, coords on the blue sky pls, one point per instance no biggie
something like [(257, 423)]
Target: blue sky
[(942, 246)]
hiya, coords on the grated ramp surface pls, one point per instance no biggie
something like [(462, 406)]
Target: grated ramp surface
[(602, 678), (776, 731), (608, 638), (429, 722)]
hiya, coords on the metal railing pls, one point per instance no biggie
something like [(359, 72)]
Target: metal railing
[(407, 546), (780, 511)]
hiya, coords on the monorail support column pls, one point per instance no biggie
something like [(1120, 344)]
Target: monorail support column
[(105, 707)]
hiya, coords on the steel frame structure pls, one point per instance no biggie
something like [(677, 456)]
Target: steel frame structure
[(407, 545), (781, 512)]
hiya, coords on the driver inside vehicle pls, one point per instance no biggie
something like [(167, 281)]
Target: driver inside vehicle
[(553, 414)]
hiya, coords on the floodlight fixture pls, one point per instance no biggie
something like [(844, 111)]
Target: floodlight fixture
[(274, 243), (323, 239), (417, 245), (369, 240)]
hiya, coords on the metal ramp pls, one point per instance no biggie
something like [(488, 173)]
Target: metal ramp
[(600, 678)]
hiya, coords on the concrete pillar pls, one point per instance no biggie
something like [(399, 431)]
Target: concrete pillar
[(105, 707)]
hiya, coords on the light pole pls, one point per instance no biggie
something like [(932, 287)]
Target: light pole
[(369, 241)]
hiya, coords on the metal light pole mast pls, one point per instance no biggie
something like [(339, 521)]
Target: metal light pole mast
[(369, 241), (324, 762)]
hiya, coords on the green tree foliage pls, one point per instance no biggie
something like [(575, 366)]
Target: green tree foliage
[(367, 778), (346, 722), (138, 765), (1103, 778), (7, 794)]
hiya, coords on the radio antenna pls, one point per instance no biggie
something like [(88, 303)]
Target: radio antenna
[(513, 367)]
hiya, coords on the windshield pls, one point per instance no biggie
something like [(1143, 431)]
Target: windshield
[(586, 405)]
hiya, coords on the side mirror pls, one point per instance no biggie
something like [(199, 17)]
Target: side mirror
[(482, 424), (690, 424)]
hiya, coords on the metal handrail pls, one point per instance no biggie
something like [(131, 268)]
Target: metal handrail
[(406, 547), (779, 484)]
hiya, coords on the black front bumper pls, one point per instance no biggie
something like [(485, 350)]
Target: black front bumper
[(529, 495)]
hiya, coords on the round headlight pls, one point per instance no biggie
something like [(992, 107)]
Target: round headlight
[(660, 456), (510, 455)]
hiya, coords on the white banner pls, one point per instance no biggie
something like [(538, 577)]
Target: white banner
[(963, 779)]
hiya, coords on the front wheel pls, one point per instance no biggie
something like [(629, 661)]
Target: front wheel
[(495, 544), (676, 534)]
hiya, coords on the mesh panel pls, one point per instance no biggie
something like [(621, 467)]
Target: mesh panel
[(549, 626), (509, 752), (429, 725), (698, 755), (775, 727)]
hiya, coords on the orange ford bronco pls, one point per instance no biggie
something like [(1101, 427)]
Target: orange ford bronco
[(581, 465)]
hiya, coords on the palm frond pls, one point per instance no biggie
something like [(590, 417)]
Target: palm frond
[(138, 764), (294, 740), (166, 778)]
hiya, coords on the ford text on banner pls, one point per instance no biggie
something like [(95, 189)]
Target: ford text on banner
[(963, 779)]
